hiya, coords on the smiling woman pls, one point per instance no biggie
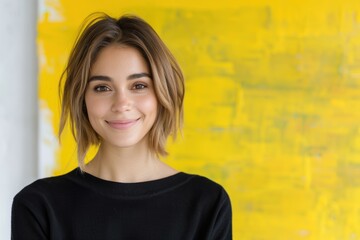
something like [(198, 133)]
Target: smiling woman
[(123, 92), (120, 101)]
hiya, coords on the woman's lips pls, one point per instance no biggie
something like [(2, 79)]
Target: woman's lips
[(122, 124)]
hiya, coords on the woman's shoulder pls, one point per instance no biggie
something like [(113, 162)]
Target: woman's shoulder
[(206, 187), (202, 181), (44, 186)]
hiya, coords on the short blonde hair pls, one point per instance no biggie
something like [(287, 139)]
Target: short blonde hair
[(100, 31)]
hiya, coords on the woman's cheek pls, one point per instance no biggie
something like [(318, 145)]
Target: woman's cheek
[(149, 102)]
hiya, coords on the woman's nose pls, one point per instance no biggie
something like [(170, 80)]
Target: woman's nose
[(121, 102)]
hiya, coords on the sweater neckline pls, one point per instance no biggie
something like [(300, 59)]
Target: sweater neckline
[(138, 189)]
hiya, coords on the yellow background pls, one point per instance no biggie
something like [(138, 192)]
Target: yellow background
[(272, 105)]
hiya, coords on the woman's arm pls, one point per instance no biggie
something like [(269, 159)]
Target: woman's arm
[(222, 229), (26, 220)]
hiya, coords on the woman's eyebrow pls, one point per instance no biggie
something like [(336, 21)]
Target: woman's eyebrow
[(99, 77), (130, 77), (138, 75)]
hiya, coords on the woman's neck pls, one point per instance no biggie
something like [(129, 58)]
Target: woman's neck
[(127, 165)]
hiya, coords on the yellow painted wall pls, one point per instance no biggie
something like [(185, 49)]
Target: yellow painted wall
[(272, 110)]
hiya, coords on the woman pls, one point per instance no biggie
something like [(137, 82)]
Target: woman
[(123, 92)]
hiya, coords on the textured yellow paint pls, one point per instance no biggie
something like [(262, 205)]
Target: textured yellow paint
[(272, 104)]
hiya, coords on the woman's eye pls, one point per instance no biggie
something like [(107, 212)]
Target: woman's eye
[(101, 89), (139, 86)]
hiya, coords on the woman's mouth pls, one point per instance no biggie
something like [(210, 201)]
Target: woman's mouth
[(123, 123)]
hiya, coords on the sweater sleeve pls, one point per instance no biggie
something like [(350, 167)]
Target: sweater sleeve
[(26, 220), (222, 229)]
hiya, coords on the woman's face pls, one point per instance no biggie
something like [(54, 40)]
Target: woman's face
[(120, 98)]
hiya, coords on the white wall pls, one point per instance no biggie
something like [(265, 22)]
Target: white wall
[(18, 102)]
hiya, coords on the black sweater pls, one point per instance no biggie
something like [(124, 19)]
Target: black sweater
[(81, 206)]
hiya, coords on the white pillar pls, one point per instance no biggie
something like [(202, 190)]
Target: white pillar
[(18, 102)]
